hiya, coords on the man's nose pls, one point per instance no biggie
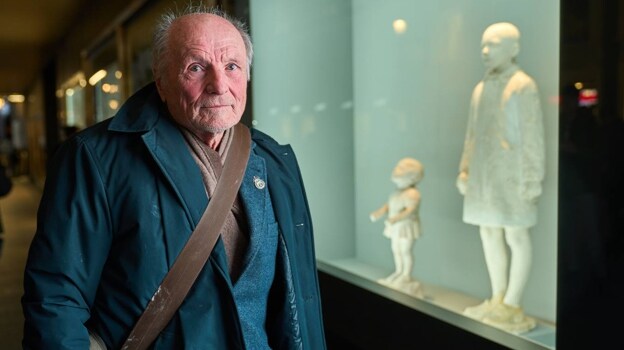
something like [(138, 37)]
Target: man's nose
[(485, 51), (216, 81)]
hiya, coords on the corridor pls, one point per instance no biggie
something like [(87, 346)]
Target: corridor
[(18, 210)]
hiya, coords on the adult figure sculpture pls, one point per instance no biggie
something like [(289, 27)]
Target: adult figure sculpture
[(123, 196), (501, 173)]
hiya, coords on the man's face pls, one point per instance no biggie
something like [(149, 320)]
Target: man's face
[(497, 51), (204, 81)]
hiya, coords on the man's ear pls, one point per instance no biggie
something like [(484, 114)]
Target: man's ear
[(159, 87), (158, 80)]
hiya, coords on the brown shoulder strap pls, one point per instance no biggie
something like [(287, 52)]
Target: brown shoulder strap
[(179, 280)]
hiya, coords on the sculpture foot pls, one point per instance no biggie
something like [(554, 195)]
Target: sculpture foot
[(388, 280), (411, 287), (404, 284), (479, 312), (509, 318)]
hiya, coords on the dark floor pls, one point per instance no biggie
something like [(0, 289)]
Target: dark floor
[(18, 210)]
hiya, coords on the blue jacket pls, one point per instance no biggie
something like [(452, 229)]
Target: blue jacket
[(121, 199)]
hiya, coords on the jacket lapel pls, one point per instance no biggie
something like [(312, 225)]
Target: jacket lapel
[(182, 177), (146, 114), (253, 196)]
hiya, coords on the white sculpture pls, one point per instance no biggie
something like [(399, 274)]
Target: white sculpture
[(501, 173), (402, 224)]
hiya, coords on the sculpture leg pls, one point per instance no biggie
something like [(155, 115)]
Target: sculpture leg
[(509, 315), (495, 253), (519, 243), (396, 254), (404, 246), (398, 263)]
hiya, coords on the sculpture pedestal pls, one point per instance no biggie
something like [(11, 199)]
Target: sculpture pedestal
[(406, 285), (497, 314)]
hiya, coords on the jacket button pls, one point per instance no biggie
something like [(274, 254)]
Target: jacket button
[(259, 183)]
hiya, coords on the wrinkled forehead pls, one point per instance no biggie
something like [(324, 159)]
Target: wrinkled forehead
[(203, 28)]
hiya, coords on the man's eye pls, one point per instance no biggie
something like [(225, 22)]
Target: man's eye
[(195, 68), (231, 66)]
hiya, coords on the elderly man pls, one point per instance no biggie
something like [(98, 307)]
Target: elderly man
[(501, 172), (123, 196)]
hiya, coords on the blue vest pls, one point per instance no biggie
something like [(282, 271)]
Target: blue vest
[(251, 290)]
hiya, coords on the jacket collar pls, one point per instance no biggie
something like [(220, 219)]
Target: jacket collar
[(144, 112), (140, 112)]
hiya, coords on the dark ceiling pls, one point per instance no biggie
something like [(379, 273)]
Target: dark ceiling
[(29, 32)]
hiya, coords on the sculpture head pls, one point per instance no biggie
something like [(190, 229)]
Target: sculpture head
[(500, 46), (408, 172)]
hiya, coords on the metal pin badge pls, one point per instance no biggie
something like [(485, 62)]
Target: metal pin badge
[(260, 184)]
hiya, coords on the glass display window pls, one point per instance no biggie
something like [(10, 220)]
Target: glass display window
[(139, 40), (105, 78), (72, 95), (356, 87), (107, 91)]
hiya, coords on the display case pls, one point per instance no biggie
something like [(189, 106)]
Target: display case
[(105, 76), (72, 102), (356, 86), (139, 51), (107, 92)]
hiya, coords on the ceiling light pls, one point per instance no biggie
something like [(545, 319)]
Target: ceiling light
[(400, 26), (97, 76), (15, 98)]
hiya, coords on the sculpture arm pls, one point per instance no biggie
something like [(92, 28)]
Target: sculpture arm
[(461, 183), (532, 143), (377, 214), (469, 141)]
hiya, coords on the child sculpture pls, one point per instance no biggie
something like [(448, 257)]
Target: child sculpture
[(402, 224)]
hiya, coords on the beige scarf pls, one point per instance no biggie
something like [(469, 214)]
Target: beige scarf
[(234, 234)]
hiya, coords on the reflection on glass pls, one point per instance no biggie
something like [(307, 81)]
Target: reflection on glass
[(97, 76), (74, 106), (107, 93), (71, 96)]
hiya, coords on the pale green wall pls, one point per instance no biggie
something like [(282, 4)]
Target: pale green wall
[(302, 95)]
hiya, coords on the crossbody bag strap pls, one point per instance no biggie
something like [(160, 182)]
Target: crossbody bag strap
[(179, 280)]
